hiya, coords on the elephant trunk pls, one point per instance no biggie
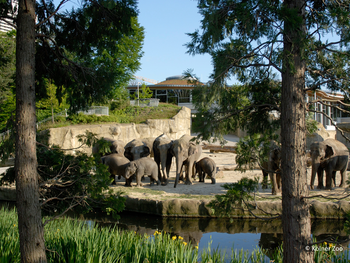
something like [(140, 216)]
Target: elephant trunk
[(163, 161)]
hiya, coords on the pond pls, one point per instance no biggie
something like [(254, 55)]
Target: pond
[(222, 233)]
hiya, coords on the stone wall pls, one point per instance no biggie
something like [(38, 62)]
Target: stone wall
[(346, 129), (320, 135), (66, 137)]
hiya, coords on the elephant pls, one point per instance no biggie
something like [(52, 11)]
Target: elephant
[(138, 148), (329, 155), (205, 166), (163, 156), (141, 167), (186, 154), (116, 165), (116, 146), (149, 142), (272, 167)]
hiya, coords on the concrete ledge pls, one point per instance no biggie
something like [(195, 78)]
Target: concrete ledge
[(199, 208), (7, 193), (185, 207)]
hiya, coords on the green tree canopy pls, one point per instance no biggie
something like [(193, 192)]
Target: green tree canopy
[(89, 52), (245, 40), (7, 64), (7, 76), (302, 44)]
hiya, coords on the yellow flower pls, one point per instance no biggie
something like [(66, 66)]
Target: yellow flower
[(325, 243), (14, 225), (181, 238), (196, 247), (330, 245), (184, 243), (173, 238)]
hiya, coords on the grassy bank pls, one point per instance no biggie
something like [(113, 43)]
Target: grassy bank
[(74, 241), (126, 114)]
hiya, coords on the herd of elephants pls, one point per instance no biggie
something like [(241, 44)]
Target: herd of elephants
[(134, 161)]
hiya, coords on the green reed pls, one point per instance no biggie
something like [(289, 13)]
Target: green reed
[(75, 241)]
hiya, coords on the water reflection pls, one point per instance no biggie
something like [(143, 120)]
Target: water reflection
[(223, 233)]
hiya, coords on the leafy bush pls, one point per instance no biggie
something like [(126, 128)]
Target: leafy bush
[(119, 104), (72, 181), (81, 118)]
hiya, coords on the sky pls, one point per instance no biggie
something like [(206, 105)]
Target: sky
[(166, 23)]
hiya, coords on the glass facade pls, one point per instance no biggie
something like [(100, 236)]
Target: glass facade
[(324, 111), (174, 96)]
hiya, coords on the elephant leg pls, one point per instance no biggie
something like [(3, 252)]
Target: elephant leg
[(275, 189), (128, 182), (343, 178), (212, 177), (155, 178), (333, 179), (201, 176), (181, 178), (138, 179), (320, 178), (169, 160), (188, 180), (265, 179), (163, 177), (329, 175), (278, 179)]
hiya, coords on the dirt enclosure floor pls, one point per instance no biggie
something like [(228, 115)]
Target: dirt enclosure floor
[(225, 161)]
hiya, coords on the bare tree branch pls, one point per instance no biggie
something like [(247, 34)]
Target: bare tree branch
[(53, 13)]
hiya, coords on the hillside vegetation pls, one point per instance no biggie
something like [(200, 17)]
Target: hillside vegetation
[(127, 114)]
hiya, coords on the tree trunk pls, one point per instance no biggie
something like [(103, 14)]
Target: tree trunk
[(31, 231), (296, 215)]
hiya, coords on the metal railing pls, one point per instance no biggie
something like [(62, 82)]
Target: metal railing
[(97, 110), (145, 102)]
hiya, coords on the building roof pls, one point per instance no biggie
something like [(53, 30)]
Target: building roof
[(320, 94), (176, 82)]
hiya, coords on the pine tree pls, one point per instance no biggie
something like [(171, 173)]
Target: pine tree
[(264, 42)]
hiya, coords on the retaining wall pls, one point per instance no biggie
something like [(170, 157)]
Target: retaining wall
[(67, 137)]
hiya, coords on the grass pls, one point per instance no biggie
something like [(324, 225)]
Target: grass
[(76, 241)]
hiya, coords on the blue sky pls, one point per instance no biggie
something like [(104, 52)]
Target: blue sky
[(166, 23)]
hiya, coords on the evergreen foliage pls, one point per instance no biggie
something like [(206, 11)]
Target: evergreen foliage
[(7, 77), (245, 41), (297, 44)]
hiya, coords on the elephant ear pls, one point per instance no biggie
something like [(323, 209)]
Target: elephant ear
[(329, 151), (146, 151), (133, 167), (127, 153)]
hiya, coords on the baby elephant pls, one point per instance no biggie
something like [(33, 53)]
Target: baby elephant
[(116, 166), (141, 167), (205, 166)]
